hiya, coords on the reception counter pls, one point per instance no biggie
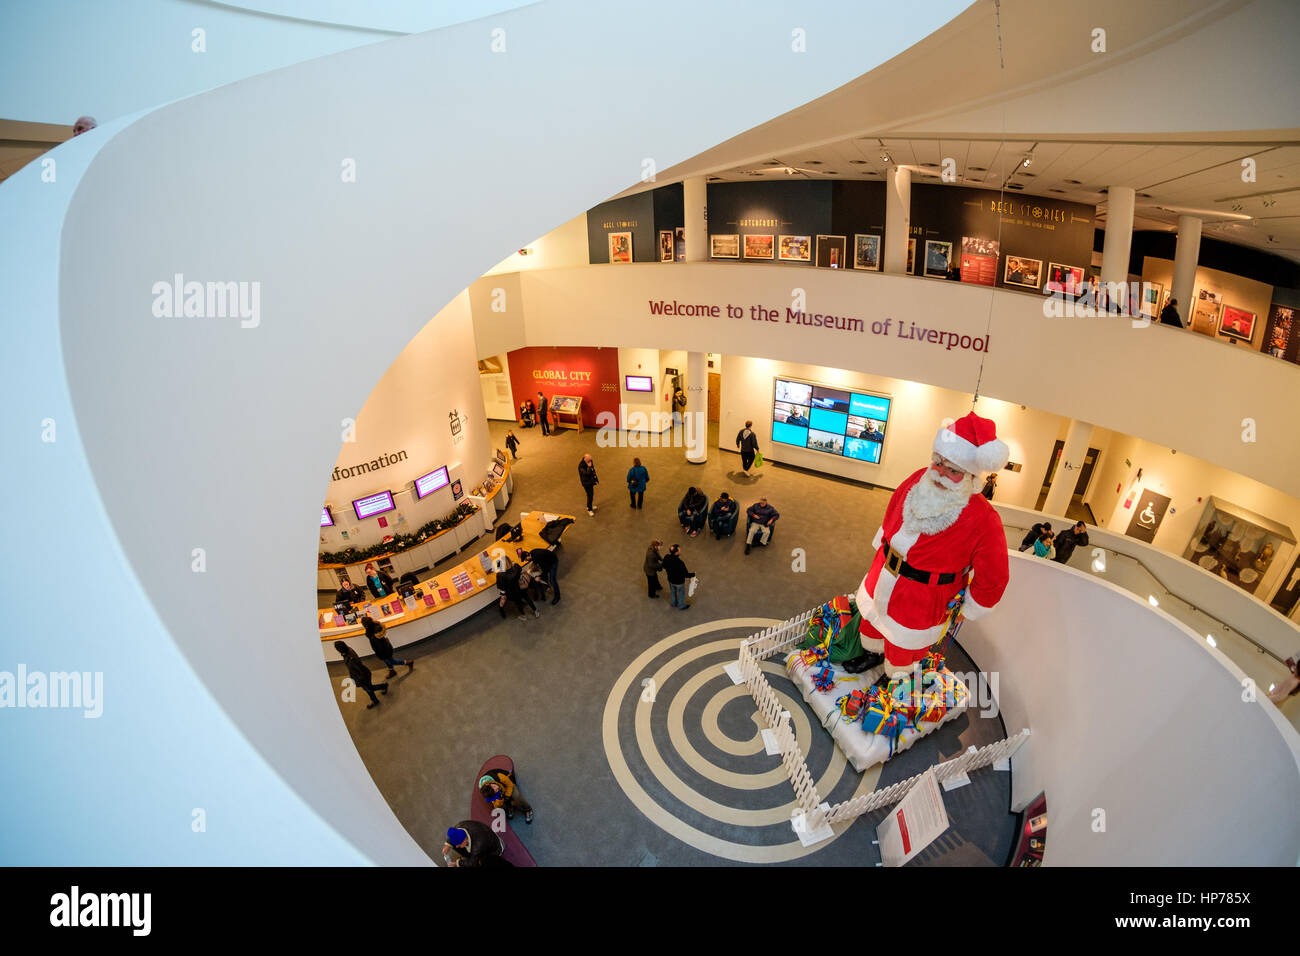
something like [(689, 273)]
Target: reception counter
[(449, 597)]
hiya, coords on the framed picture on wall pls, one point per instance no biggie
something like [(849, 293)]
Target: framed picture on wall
[(760, 247), (1152, 293), (1026, 273), (725, 246), (679, 243), (796, 248), (1067, 280), (830, 252), (620, 247), (1205, 311), (666, 245), (938, 258), (1237, 323), (911, 256), (866, 252)]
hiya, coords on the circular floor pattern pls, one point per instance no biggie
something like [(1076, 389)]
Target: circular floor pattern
[(678, 679)]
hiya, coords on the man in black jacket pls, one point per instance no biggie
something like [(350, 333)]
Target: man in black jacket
[(511, 583), (747, 442), (1068, 539), (675, 571), (1169, 314), (587, 476), (1034, 534)]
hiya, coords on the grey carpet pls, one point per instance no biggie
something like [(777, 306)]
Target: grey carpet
[(537, 689)]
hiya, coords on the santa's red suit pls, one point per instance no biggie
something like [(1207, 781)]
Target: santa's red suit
[(922, 560)]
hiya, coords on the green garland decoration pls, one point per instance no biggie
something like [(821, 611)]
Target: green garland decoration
[(400, 542)]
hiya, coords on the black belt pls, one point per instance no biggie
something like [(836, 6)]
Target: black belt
[(898, 566)]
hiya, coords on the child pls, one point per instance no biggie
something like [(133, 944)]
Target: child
[(513, 444), (500, 790)]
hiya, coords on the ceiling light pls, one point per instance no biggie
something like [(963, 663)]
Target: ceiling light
[(1152, 598), (1027, 161), (1056, 191), (978, 169), (858, 162), (829, 172), (1211, 641), (814, 162), (773, 162), (1099, 562), (1073, 182), (1272, 687), (884, 158)]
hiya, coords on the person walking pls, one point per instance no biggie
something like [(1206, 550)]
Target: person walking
[(587, 475), (653, 563), (383, 647), (473, 844), (637, 479), (513, 444), (990, 483), (747, 442), (543, 414), (501, 791), (360, 674), (546, 570), (676, 572)]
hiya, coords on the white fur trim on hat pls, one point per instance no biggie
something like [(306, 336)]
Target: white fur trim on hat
[(971, 458)]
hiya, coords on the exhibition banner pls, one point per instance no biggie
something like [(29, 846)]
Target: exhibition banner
[(587, 373)]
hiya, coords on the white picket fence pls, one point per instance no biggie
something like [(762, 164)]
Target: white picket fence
[(783, 637)]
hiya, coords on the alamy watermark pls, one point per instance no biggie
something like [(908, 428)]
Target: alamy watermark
[(59, 690), (635, 428), (179, 299), (1119, 299)]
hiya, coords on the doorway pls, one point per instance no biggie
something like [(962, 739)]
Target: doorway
[(1077, 509), (715, 396)]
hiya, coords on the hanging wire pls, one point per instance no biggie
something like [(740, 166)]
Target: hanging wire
[(1002, 192)]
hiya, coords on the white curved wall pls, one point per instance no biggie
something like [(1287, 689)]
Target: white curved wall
[(1141, 381), (1134, 716), (197, 433)]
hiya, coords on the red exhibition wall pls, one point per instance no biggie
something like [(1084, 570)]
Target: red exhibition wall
[(589, 373)]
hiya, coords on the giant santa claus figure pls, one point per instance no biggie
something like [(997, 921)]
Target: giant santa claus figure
[(938, 538)]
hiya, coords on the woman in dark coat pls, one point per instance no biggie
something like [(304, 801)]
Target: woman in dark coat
[(360, 673), (653, 563)]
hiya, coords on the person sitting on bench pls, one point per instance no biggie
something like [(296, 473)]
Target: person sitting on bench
[(762, 517), (724, 515), (693, 511)]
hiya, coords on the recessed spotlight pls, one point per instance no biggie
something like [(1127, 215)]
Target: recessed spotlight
[(858, 162), (1056, 191), (813, 162), (978, 169), (1023, 173), (774, 162), (830, 172), (1073, 182), (1015, 186), (1209, 639), (1152, 599), (715, 179), (1104, 190), (1144, 195), (930, 165)]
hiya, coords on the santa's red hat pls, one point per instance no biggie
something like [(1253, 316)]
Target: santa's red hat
[(971, 443)]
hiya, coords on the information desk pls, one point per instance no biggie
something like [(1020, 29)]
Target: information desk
[(456, 592)]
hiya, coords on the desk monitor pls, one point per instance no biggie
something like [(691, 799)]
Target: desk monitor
[(372, 505)]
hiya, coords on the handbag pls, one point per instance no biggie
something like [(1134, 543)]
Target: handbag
[(694, 584)]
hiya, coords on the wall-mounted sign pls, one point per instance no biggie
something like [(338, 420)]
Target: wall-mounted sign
[(1146, 520), (383, 461), (457, 492)]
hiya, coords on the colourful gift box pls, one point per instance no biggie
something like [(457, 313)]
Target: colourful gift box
[(851, 705), (932, 708), (824, 678)]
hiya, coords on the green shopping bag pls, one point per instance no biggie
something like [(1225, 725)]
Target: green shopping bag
[(758, 459)]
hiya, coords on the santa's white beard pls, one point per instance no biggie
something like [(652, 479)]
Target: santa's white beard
[(934, 503)]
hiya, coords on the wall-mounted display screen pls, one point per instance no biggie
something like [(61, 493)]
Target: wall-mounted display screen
[(372, 505), (832, 420), (428, 484), (326, 517), (638, 383)]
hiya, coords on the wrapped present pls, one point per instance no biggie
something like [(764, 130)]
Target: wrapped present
[(931, 708), (933, 661), (815, 654), (879, 715), (851, 705), (824, 678)]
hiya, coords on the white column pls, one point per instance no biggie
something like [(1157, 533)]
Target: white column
[(697, 408), (1119, 234), (1185, 257), (1066, 475), (694, 196), (898, 220)]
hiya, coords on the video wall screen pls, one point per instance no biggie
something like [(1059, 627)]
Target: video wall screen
[(831, 420)]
